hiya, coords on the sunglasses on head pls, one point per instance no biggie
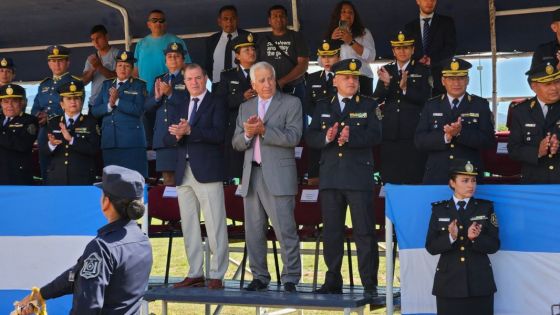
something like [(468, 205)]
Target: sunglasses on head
[(156, 20)]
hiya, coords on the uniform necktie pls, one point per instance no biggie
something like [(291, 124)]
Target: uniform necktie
[(227, 53), (7, 121), (455, 103), (171, 78), (545, 110), (329, 77), (194, 108), (119, 84), (70, 123), (426, 35), (344, 102), (257, 149), (461, 205)]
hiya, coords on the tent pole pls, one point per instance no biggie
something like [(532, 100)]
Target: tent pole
[(295, 17), (126, 24), (492, 14)]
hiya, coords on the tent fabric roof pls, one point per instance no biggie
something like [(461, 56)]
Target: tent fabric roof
[(47, 22)]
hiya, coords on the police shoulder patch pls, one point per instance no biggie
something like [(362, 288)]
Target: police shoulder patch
[(75, 77), (92, 266), (32, 129), (494, 219)]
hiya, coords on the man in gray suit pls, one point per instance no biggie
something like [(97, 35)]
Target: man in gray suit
[(268, 129)]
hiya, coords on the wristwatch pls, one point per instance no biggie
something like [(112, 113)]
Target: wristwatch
[(352, 43)]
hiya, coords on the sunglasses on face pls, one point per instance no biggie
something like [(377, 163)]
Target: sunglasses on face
[(156, 20)]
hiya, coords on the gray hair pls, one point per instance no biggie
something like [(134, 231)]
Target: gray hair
[(261, 65), (193, 66)]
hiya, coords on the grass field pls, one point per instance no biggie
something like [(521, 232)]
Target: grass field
[(179, 267)]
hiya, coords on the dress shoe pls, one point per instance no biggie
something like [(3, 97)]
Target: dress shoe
[(290, 287), (256, 285), (215, 284), (325, 289), (370, 292), (190, 283)]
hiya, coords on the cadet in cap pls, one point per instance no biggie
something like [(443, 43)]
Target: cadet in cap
[(18, 132), (319, 85), (534, 135), (346, 127), (550, 51), (47, 104), (235, 87), (463, 230), (164, 107), (73, 140), (7, 70), (464, 120), (120, 107), (404, 87), (112, 274)]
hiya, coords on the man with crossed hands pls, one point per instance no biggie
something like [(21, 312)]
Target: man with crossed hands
[(345, 128), (535, 127)]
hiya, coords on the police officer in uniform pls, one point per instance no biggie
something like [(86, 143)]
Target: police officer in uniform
[(112, 274), (463, 230), (550, 51), (235, 87), (73, 140), (7, 70), (404, 88), (345, 128), (453, 125), (319, 86), (120, 104), (535, 128), (168, 89), (47, 102), (18, 132)]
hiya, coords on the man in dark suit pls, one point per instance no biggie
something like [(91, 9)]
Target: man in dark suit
[(535, 128), (345, 128), (453, 125), (73, 140), (235, 87), (18, 132), (199, 131), (219, 52), (435, 40), (404, 88), (549, 52)]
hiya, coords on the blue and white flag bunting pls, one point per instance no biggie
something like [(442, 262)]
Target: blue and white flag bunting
[(43, 231), (527, 266)]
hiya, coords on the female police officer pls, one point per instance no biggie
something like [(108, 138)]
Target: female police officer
[(112, 274), (464, 230)]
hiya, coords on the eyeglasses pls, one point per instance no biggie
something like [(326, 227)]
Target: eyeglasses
[(156, 20)]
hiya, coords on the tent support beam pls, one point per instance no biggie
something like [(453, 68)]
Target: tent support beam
[(126, 24), (493, 47)]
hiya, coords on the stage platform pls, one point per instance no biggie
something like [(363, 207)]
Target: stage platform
[(352, 299)]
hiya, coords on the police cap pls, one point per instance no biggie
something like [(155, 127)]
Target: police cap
[(455, 67), (58, 52), (543, 73), (463, 167), (243, 41), (347, 66), (402, 39), (12, 91), (72, 88), (174, 47), (125, 56), (329, 47), (122, 182)]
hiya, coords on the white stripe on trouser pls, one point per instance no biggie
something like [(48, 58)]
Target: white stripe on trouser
[(209, 197)]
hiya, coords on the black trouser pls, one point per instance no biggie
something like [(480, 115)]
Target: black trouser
[(333, 208)]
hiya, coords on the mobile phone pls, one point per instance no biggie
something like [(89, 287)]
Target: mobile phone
[(343, 24)]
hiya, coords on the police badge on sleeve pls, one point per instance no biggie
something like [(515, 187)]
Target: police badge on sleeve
[(92, 266)]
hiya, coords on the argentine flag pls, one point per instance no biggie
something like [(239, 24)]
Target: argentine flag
[(527, 266), (43, 232)]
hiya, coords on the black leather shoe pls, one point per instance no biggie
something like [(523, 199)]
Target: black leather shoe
[(370, 292), (325, 289), (256, 285), (290, 287)]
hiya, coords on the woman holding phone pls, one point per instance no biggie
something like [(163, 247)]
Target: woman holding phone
[(463, 230), (346, 26)]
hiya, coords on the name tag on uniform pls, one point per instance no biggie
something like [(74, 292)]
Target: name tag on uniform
[(358, 115), (81, 130), (317, 86), (45, 89), (131, 92), (470, 115), (234, 82), (57, 131), (180, 87), (437, 114), (444, 219), (16, 125), (326, 115), (414, 75), (530, 125), (479, 217)]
